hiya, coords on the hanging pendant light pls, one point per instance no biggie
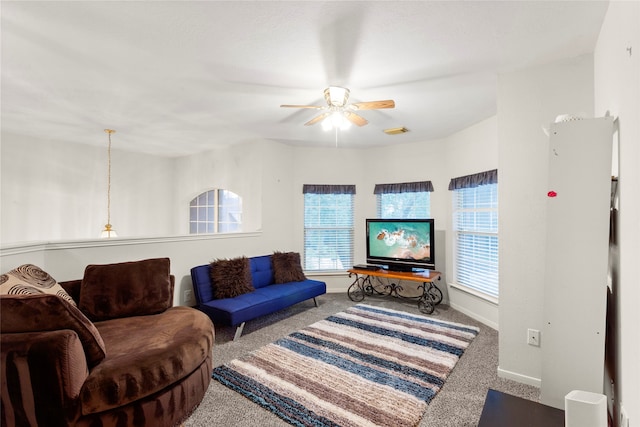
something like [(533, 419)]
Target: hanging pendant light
[(108, 231)]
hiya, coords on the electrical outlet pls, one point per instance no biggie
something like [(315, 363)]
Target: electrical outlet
[(624, 418), (533, 337), (187, 295)]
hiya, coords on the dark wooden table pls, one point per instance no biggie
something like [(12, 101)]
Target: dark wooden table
[(504, 410)]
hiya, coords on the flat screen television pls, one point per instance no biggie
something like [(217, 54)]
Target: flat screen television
[(401, 244)]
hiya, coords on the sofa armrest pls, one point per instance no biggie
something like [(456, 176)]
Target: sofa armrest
[(42, 374), (202, 286), (44, 312)]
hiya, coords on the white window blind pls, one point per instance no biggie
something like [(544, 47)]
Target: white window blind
[(328, 231), (406, 200), (404, 205), (475, 217)]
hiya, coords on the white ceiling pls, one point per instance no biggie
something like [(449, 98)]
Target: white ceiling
[(179, 77)]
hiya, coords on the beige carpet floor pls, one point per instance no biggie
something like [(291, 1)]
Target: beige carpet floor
[(458, 404)]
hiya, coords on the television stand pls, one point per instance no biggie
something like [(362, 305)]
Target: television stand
[(364, 285)]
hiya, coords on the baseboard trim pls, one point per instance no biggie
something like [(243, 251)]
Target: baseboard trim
[(336, 289), (514, 376), (474, 316)]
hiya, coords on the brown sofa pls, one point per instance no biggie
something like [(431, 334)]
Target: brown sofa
[(118, 355)]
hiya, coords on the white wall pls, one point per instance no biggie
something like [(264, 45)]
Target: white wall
[(54, 190), (617, 89), (237, 168), (66, 260), (528, 100)]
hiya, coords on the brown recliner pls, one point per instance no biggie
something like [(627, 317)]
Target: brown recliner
[(122, 357)]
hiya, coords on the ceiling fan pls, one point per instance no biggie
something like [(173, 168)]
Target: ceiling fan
[(337, 98)]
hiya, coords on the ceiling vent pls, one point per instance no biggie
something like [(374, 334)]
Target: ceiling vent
[(396, 131)]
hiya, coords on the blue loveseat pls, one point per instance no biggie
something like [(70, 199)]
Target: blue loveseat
[(268, 297)]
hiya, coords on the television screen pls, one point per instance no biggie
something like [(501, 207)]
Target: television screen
[(401, 244)]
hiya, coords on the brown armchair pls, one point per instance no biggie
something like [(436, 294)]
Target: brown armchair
[(122, 357)]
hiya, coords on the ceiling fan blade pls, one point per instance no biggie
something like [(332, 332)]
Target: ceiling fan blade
[(355, 119), (315, 107), (373, 105), (317, 119)]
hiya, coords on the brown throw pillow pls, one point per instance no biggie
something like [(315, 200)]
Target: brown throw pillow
[(231, 277), (126, 289), (29, 279), (287, 267), (45, 312)]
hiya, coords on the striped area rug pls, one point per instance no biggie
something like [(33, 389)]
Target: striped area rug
[(366, 366)]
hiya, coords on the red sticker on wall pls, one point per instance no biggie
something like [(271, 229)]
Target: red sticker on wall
[(552, 194)]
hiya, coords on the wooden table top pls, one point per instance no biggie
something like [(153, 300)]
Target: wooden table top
[(426, 276)]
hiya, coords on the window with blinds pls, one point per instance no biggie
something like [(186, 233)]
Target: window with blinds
[(407, 200), (475, 224), (403, 205), (328, 231)]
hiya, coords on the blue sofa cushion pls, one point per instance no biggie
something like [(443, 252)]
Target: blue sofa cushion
[(202, 288), (233, 311), (261, 271)]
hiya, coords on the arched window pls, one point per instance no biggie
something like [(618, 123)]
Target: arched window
[(215, 211)]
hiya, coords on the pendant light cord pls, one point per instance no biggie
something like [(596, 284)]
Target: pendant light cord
[(109, 132), (109, 181)]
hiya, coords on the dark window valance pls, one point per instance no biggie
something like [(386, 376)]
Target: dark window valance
[(403, 187), (474, 180), (328, 189)]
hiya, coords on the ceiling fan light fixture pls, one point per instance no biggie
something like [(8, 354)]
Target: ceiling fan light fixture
[(336, 96), (336, 120), (345, 115), (396, 131)]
